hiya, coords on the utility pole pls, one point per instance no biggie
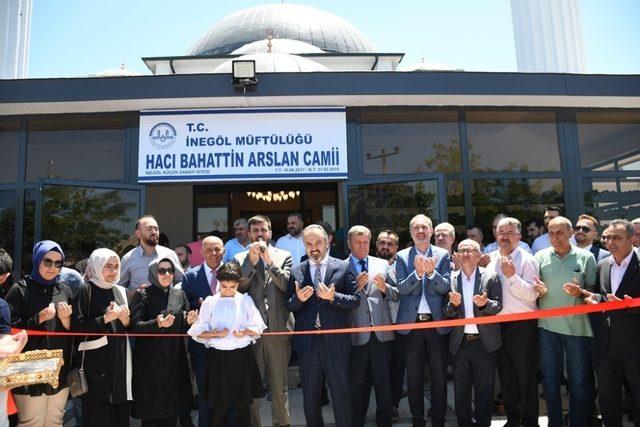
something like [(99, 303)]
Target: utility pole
[(383, 155)]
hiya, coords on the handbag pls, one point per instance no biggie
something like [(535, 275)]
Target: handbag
[(76, 378)]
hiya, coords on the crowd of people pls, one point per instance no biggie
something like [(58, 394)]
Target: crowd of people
[(239, 303)]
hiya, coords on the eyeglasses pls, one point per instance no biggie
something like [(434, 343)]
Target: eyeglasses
[(49, 263), (165, 271), (582, 228), (111, 267)]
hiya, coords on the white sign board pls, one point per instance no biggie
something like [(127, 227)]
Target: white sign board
[(242, 145)]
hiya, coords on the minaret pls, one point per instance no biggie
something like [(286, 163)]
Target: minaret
[(548, 36), (15, 33)]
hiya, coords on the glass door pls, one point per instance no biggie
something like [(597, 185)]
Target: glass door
[(391, 202)]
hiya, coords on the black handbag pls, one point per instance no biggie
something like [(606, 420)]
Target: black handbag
[(76, 378)]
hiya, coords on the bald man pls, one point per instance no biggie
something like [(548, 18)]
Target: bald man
[(199, 283)]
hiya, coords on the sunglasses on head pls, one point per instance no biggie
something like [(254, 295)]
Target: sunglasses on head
[(49, 262), (582, 228), (164, 271)]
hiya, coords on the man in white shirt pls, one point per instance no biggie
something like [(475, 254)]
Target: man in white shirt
[(292, 242), (543, 241), (240, 243), (494, 246), (518, 356)]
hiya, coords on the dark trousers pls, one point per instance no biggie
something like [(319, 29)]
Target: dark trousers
[(612, 372), (427, 347), (369, 366), (97, 413), (161, 422), (322, 362), (199, 366), (220, 415), (518, 371), (474, 371), (398, 366)]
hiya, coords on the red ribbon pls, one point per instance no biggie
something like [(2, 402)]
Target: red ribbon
[(512, 317)]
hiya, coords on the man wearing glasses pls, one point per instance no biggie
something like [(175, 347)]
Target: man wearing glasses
[(422, 297), (585, 232), (240, 243), (135, 263), (517, 361)]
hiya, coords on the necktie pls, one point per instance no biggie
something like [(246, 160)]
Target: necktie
[(363, 265), (317, 277), (214, 282)]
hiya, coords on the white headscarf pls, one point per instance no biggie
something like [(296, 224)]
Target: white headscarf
[(96, 263)]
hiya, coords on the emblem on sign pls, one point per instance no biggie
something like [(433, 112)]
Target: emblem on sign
[(162, 135)]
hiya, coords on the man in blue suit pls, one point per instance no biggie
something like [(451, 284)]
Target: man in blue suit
[(321, 293), (421, 300), (199, 283)]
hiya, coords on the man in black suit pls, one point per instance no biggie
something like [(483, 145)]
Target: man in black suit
[(475, 292), (618, 334), (321, 293)]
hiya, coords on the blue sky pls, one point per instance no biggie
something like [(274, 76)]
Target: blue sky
[(82, 37)]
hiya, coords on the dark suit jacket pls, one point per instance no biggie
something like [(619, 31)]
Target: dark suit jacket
[(485, 281), (195, 285), (618, 332), (410, 288), (333, 314)]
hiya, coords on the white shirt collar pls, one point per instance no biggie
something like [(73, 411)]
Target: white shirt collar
[(625, 262)]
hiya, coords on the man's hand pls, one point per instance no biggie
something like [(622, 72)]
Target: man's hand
[(430, 264), (326, 293), (573, 288), (613, 297), (254, 253), (539, 287), (244, 332), (507, 266), (480, 300), (64, 310), (361, 280), (380, 283), (420, 265), (484, 260), (455, 299), (457, 261), (165, 321), (47, 313), (590, 298), (305, 293)]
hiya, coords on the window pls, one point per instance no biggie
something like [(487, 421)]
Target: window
[(10, 149), (410, 142), (609, 141), (609, 199), (90, 149), (512, 141), (7, 220), (520, 198)]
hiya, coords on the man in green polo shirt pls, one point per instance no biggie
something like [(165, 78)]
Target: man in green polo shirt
[(565, 270)]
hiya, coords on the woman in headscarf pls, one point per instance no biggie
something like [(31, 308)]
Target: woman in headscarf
[(161, 378), (41, 302), (100, 306)]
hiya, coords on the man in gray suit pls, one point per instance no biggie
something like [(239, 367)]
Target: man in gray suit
[(475, 292), (265, 275), (370, 358)]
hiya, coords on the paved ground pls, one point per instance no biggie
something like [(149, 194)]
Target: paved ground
[(297, 414)]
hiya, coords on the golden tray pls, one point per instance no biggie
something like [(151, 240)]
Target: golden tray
[(31, 367)]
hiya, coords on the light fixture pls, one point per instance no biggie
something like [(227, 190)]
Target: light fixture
[(273, 196), (244, 73)]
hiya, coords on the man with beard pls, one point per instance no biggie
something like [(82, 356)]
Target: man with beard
[(422, 299), (265, 275), (387, 248), (585, 232), (184, 255), (135, 263), (534, 229), (543, 241), (292, 242), (321, 293)]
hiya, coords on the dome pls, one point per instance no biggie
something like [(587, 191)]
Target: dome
[(275, 63), (285, 21), (277, 46), (117, 72)]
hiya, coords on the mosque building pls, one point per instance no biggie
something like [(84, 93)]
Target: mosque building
[(282, 108)]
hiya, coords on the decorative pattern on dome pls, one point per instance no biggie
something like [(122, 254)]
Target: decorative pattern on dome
[(278, 46), (275, 63), (285, 21)]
